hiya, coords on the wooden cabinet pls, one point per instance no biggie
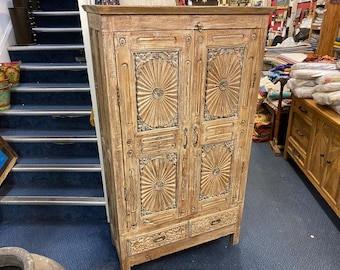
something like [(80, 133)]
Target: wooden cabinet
[(176, 90), (313, 141)]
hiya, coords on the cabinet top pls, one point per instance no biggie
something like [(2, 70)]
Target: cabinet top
[(324, 111), (176, 10)]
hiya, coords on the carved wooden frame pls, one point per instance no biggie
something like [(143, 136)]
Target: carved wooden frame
[(8, 159)]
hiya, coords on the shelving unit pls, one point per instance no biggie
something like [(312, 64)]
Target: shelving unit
[(328, 30), (314, 33)]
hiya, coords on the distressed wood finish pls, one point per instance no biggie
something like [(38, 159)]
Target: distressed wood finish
[(313, 141), (176, 90)]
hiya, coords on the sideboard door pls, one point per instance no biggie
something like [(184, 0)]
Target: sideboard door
[(154, 72)]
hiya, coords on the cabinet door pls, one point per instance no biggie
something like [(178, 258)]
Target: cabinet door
[(222, 109), (154, 71), (318, 152), (330, 184)]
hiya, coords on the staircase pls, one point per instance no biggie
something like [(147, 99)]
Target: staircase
[(58, 173)]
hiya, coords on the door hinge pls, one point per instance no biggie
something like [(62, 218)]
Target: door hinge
[(118, 95), (254, 79)]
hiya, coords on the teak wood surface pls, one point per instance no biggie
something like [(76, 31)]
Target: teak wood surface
[(313, 141)]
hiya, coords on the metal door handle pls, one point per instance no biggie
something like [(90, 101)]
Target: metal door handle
[(195, 140)]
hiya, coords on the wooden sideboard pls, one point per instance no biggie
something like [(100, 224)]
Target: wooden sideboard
[(313, 141), (176, 90)]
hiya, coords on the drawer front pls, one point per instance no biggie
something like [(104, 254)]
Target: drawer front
[(213, 222), (295, 153), (300, 131), (303, 109), (157, 239)]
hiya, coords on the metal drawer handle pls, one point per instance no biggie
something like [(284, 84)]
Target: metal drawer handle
[(215, 222), (159, 239), (302, 110), (298, 132)]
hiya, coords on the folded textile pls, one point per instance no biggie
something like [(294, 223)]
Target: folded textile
[(294, 83), (308, 74), (292, 58), (332, 98), (261, 132), (328, 87), (314, 65), (328, 78), (303, 92), (275, 95)]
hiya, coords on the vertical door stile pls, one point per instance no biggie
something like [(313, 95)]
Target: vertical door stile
[(127, 99), (197, 96), (111, 132), (185, 121)]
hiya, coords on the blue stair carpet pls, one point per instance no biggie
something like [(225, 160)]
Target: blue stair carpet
[(48, 125)]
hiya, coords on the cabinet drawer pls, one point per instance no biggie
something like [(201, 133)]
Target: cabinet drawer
[(297, 154), (300, 131), (213, 222), (301, 107), (157, 239)]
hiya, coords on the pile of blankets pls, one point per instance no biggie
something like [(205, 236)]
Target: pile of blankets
[(317, 80)]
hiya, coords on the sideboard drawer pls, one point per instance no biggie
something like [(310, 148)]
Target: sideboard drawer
[(305, 110), (300, 131), (297, 154)]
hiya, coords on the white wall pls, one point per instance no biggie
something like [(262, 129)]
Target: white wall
[(6, 30)]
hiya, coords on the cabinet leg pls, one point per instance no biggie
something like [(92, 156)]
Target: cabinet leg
[(234, 238), (125, 266), (275, 147)]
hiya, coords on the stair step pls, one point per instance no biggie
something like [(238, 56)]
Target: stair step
[(53, 189), (17, 135), (89, 165), (45, 122), (56, 168), (57, 5), (55, 111), (51, 98), (51, 87), (44, 139), (52, 200), (56, 29), (40, 47), (55, 13), (53, 66)]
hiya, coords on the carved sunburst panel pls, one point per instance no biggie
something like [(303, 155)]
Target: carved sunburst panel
[(157, 89), (158, 183), (224, 72), (216, 170)]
